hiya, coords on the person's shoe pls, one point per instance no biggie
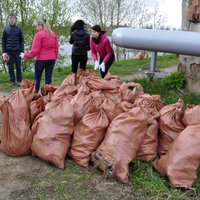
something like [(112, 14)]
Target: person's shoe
[(11, 83), (19, 84)]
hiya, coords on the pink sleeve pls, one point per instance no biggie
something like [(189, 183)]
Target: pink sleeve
[(109, 51), (36, 46), (93, 51)]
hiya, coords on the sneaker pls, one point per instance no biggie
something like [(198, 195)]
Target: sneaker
[(19, 84), (11, 83)]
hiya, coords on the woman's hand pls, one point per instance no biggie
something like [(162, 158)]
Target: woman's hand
[(103, 67), (96, 65)]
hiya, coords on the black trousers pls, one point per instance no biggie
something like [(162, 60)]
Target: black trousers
[(107, 65), (15, 60), (78, 60)]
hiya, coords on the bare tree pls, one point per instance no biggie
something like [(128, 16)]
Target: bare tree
[(58, 12), (109, 13), (156, 19)]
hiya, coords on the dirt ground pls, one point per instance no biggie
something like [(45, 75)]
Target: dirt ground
[(31, 178)]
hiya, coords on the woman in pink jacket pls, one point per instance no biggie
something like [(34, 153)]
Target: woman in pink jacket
[(45, 49), (100, 44)]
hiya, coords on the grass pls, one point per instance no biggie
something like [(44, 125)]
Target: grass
[(168, 96), (74, 181), (127, 67), (150, 183), (154, 87), (121, 68)]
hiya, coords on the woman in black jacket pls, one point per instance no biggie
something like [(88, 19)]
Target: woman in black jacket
[(80, 39)]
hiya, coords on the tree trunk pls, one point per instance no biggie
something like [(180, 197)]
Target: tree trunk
[(190, 65)]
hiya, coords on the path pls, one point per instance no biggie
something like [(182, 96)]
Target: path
[(143, 74)]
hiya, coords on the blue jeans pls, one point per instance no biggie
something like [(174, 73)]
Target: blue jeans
[(14, 59), (40, 65)]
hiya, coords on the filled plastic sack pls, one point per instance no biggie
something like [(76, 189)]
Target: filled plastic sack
[(68, 86), (16, 137), (182, 161), (148, 149), (120, 145), (151, 104), (191, 115), (111, 109), (84, 101), (53, 131), (130, 91), (113, 79), (97, 83), (149, 101), (88, 135), (114, 95), (48, 89), (84, 73), (170, 125)]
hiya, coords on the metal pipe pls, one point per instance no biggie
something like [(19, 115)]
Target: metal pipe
[(181, 42)]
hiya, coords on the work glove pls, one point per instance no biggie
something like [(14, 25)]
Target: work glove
[(21, 55), (4, 55), (5, 58), (103, 67), (96, 65)]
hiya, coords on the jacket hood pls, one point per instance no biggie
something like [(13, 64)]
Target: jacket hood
[(80, 32), (103, 36)]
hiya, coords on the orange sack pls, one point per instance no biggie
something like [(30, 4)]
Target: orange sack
[(53, 132), (122, 140), (170, 125), (182, 161), (16, 133)]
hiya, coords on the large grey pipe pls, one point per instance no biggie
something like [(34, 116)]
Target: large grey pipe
[(181, 42)]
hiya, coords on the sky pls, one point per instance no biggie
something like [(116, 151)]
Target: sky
[(170, 8)]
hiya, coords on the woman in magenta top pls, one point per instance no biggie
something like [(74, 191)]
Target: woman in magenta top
[(45, 49), (100, 45)]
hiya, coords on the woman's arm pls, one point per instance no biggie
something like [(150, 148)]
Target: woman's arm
[(108, 50), (36, 46), (93, 51)]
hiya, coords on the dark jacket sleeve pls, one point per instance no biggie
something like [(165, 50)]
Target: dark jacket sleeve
[(71, 39), (21, 37), (88, 42), (3, 40)]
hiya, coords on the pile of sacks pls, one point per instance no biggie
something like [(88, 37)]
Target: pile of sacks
[(106, 121)]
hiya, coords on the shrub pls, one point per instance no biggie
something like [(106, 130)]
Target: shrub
[(175, 80)]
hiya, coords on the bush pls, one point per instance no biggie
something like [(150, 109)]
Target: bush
[(175, 80)]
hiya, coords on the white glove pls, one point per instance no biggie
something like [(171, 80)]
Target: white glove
[(21, 55), (96, 65), (4, 55), (103, 67)]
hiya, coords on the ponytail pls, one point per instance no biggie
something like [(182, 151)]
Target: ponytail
[(44, 23)]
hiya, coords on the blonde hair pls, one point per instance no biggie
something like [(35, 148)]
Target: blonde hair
[(44, 23)]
